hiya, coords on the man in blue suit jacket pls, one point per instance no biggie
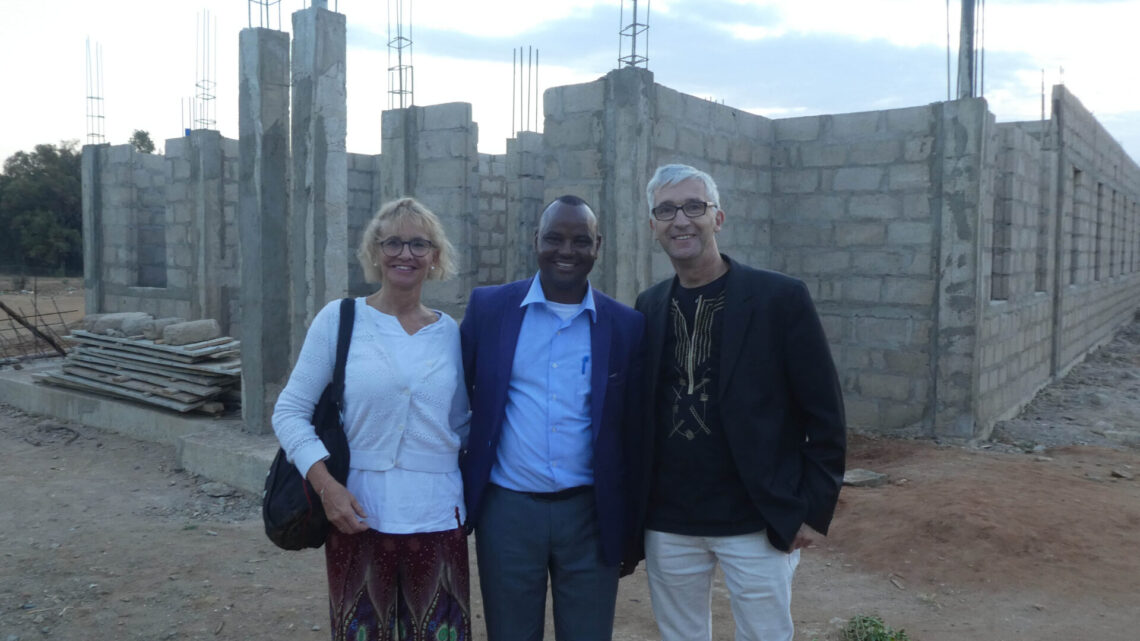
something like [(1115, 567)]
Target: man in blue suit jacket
[(551, 364)]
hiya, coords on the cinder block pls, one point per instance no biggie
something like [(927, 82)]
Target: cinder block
[(588, 96), (858, 179), (898, 416), (575, 130), (820, 154), (884, 386), (916, 206), (848, 234), (912, 364), (874, 206), (789, 129), (892, 333), (863, 413), (909, 233), (792, 181), (691, 142), (668, 103), (911, 120), (833, 262), (875, 153), (450, 115), (908, 291), (855, 126), (862, 289), (800, 235), (918, 149)]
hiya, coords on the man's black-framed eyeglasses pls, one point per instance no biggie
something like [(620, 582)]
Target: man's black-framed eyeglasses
[(418, 246), (692, 209)]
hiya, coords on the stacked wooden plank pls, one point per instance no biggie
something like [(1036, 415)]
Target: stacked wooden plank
[(197, 376)]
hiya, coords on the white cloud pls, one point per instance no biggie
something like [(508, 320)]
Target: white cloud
[(501, 18)]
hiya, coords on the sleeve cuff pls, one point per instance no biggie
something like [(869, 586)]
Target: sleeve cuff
[(309, 454)]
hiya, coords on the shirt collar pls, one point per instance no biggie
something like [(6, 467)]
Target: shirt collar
[(536, 295)]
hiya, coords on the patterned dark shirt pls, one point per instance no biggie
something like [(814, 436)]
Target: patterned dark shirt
[(697, 489)]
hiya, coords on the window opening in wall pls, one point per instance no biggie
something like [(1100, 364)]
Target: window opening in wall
[(1098, 257), (1002, 248), (1112, 235), (1135, 234), (1074, 228), (1121, 231), (1129, 232), (1041, 273)]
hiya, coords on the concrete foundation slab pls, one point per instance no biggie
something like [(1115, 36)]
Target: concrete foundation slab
[(215, 448)]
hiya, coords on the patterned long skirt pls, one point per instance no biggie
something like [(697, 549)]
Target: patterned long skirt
[(399, 587)]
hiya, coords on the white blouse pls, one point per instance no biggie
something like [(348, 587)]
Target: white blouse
[(405, 414)]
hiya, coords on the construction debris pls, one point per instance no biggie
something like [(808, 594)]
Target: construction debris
[(203, 375)]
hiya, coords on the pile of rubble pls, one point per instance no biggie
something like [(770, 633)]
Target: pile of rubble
[(169, 362)]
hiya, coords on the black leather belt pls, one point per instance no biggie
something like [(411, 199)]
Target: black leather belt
[(560, 494)]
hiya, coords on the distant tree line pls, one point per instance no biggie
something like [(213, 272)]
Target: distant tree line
[(41, 211)]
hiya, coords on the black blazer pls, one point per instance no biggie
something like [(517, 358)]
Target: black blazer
[(780, 401)]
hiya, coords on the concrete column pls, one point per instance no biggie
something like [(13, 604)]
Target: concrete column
[(92, 181), (318, 226), (207, 227), (958, 209), (263, 188), (628, 162)]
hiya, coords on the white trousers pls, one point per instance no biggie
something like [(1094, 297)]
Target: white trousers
[(758, 577)]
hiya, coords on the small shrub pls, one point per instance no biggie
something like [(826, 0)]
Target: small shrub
[(871, 628)]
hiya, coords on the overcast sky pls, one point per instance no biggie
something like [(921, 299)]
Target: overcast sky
[(778, 58)]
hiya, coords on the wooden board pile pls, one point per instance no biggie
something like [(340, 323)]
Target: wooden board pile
[(202, 376)]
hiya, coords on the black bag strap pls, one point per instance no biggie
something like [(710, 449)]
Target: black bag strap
[(343, 339)]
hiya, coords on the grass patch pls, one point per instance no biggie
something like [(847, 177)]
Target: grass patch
[(871, 628)]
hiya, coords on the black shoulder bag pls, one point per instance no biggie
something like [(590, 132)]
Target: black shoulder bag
[(291, 508)]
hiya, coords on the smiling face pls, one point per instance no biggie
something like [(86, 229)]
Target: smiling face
[(566, 244), (404, 270), (687, 241)]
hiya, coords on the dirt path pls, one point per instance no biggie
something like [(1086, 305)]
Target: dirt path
[(1030, 537)]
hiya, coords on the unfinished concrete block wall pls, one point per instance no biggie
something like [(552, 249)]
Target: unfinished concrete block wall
[(203, 265), (363, 192), (490, 226), (604, 140), (160, 231), (430, 153), (125, 241), (732, 146), (1097, 183), (1015, 334), (852, 218), (573, 138), (958, 265)]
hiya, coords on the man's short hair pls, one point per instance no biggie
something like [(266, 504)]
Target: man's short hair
[(569, 199), (672, 174)]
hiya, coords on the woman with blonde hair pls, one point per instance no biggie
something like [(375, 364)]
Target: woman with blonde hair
[(397, 554)]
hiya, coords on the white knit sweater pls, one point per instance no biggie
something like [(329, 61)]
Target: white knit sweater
[(405, 414)]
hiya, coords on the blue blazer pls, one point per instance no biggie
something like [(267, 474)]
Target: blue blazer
[(489, 333)]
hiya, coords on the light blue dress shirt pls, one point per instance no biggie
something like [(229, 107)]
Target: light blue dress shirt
[(547, 442)]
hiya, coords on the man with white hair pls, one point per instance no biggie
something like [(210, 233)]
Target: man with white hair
[(745, 438)]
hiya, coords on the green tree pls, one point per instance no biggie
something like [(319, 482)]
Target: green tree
[(141, 141), (41, 210)]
